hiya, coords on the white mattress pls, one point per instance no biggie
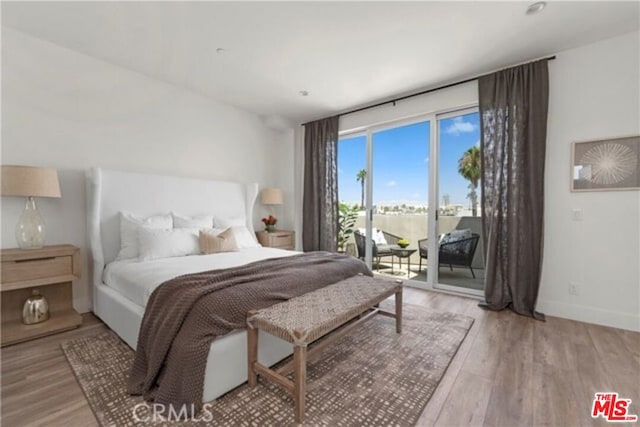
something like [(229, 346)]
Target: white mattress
[(136, 280)]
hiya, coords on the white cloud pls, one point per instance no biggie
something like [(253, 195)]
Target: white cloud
[(426, 160), (459, 126), (391, 183)]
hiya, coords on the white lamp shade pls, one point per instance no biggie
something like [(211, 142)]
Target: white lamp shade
[(271, 196), (29, 181)]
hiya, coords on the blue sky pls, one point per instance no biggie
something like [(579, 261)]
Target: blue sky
[(401, 162)]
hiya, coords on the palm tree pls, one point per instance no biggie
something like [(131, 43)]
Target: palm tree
[(469, 168), (360, 177)]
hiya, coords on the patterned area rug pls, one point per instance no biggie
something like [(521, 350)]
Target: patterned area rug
[(372, 377)]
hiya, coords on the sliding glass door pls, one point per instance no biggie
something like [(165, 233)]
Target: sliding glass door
[(383, 187), (409, 191), (459, 219), (400, 182)]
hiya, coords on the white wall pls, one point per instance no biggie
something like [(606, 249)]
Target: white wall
[(72, 112), (594, 93)]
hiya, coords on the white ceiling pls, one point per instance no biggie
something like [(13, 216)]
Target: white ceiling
[(344, 54)]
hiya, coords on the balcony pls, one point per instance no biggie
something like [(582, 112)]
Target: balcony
[(413, 227)]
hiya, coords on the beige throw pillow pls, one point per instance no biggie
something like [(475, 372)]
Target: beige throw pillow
[(213, 243)]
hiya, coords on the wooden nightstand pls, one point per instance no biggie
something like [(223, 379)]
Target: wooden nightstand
[(51, 271), (277, 239)]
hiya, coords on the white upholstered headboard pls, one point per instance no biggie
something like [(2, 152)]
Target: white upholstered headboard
[(109, 192)]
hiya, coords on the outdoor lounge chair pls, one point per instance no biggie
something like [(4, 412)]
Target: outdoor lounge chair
[(457, 252), (377, 251)]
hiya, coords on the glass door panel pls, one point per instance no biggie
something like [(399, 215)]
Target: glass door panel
[(459, 224), (400, 185), (352, 180)]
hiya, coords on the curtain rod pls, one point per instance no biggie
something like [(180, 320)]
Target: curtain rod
[(402, 98)]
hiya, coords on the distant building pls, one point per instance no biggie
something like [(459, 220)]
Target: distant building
[(450, 210), (400, 209)]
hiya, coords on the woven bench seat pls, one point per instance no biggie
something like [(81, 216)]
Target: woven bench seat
[(304, 319)]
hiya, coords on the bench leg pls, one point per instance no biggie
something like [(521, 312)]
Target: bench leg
[(252, 352), (399, 311), (300, 381)]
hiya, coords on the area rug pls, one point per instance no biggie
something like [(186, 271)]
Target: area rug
[(370, 377)]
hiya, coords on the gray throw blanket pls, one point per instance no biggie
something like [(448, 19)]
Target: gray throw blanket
[(184, 315)]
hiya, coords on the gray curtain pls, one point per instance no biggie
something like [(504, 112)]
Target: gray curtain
[(320, 199), (513, 118)]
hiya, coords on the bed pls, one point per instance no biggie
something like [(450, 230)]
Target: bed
[(122, 288)]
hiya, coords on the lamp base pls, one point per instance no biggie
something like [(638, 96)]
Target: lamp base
[(30, 227)]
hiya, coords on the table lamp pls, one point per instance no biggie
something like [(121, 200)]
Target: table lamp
[(271, 197), (30, 182)]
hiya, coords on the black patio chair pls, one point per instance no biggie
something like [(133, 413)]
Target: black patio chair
[(457, 253), (378, 251)]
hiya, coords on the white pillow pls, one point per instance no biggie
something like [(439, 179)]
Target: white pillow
[(244, 238), (155, 243), (378, 235), (197, 222), (129, 224)]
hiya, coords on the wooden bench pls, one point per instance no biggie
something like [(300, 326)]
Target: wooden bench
[(304, 319)]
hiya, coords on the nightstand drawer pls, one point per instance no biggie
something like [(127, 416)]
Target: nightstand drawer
[(282, 240), (30, 269), (278, 239)]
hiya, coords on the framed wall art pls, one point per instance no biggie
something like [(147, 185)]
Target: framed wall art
[(606, 164)]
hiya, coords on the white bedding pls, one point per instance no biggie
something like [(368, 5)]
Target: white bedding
[(137, 280)]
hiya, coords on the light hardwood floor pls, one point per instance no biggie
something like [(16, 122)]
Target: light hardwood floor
[(509, 371)]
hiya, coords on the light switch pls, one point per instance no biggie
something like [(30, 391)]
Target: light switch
[(576, 214)]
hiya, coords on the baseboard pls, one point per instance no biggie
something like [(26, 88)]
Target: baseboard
[(628, 321)]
